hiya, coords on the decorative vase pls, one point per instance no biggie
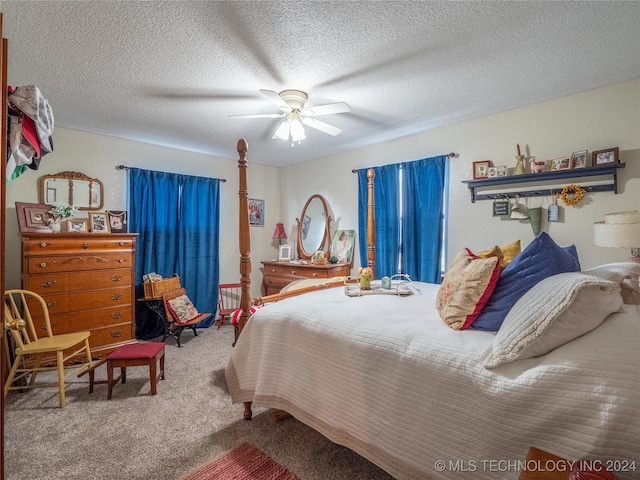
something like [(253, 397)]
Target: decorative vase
[(55, 227), (519, 165)]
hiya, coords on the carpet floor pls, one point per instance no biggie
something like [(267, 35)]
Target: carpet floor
[(138, 436)]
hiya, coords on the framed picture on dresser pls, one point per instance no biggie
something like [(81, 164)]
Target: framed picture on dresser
[(117, 221), (32, 216), (98, 222)]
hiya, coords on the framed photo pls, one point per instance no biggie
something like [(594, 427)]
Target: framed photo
[(342, 245), (32, 216), (98, 222), (492, 172), (503, 171), (256, 212), (562, 163), (501, 208), (78, 225), (605, 157), (481, 169), (284, 253), (579, 159), (117, 221)]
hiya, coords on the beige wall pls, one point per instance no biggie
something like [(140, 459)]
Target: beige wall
[(593, 120)]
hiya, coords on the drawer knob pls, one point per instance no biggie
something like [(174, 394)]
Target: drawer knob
[(121, 260), (122, 244), (44, 327), (293, 272), (116, 315), (48, 284), (273, 270), (85, 245), (116, 334), (116, 278), (314, 274), (43, 244), (42, 265), (51, 304), (117, 296)]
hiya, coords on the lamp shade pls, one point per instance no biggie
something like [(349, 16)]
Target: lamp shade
[(279, 232), (619, 230)]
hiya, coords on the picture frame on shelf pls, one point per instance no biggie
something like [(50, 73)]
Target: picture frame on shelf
[(98, 222), (608, 156), (77, 225), (284, 253), (256, 212), (562, 163), (481, 169), (492, 172), (579, 159), (117, 221), (503, 170), (32, 216)]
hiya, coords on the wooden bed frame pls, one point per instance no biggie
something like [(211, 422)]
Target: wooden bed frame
[(245, 250)]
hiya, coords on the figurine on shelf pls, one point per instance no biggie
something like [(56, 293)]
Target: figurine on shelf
[(366, 274), (519, 170), (536, 167)]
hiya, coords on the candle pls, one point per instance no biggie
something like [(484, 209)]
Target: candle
[(518, 145)]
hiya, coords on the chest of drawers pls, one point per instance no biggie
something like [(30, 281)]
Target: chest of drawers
[(88, 282), (278, 274)]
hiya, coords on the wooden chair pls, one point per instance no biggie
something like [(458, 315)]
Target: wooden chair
[(228, 301), (70, 352), (173, 326)]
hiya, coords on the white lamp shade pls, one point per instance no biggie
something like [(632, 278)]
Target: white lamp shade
[(619, 230)]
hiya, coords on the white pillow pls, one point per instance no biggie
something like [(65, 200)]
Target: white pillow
[(627, 274), (555, 311)]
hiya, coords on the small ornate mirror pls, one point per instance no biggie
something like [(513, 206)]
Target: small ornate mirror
[(313, 228), (74, 188)]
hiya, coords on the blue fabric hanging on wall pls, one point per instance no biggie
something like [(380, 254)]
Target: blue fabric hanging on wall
[(409, 219), (177, 220)]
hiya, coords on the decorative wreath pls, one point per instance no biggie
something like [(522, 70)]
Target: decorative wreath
[(572, 194)]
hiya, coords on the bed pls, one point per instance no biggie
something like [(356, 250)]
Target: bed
[(384, 376)]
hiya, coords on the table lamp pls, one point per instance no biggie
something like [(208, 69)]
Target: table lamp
[(619, 230), (279, 233)]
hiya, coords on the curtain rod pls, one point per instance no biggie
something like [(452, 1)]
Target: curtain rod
[(448, 155), (124, 167)]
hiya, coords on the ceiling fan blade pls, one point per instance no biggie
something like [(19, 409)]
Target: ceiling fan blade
[(260, 115), (277, 99), (322, 126), (339, 107)]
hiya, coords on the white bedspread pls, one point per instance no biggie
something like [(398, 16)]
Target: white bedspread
[(385, 377)]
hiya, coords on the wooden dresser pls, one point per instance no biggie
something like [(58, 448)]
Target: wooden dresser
[(278, 274), (88, 282)]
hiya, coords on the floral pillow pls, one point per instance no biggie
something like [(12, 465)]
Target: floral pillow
[(182, 309), (466, 288)]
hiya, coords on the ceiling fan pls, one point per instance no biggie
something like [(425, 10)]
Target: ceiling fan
[(295, 114)]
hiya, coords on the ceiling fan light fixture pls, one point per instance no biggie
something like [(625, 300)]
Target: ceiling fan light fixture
[(297, 130), (283, 130)]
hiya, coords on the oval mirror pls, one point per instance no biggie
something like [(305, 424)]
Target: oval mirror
[(74, 188), (313, 227)]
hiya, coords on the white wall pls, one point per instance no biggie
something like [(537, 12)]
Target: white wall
[(97, 156), (593, 120)]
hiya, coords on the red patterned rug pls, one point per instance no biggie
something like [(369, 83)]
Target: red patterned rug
[(244, 462)]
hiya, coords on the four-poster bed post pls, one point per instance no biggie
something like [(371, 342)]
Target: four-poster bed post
[(245, 237)]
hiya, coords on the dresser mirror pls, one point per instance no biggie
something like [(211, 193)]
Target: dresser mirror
[(74, 188), (313, 228)]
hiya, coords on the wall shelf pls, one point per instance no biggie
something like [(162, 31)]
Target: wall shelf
[(602, 179)]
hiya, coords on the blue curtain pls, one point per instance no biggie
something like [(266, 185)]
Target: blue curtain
[(423, 218), (386, 213), (177, 220), (409, 218)]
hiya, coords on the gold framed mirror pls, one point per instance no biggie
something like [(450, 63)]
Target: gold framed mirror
[(74, 188), (313, 228)]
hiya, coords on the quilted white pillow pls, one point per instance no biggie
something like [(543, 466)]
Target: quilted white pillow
[(555, 311), (627, 274)]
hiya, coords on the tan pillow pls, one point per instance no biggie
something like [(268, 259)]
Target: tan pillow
[(506, 254), (466, 288)]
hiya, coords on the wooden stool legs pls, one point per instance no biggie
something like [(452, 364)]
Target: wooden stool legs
[(123, 363)]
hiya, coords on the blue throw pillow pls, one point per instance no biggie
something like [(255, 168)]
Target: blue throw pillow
[(542, 258)]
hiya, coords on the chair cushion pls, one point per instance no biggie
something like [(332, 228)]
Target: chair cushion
[(182, 309), (136, 350)]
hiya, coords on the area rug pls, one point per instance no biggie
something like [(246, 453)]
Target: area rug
[(244, 462)]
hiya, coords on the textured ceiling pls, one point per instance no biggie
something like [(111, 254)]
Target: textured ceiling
[(171, 72)]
